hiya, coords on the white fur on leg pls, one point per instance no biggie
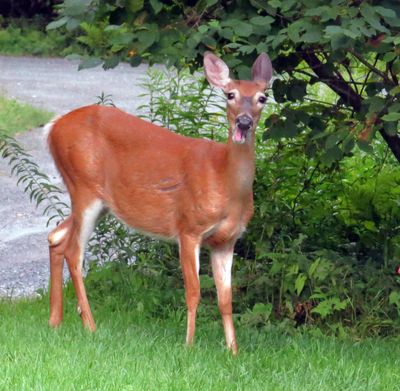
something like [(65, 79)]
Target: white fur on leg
[(56, 236), (222, 266), (89, 219), (197, 256), (222, 269)]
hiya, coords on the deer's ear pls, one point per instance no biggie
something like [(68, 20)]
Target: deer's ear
[(217, 72), (262, 68)]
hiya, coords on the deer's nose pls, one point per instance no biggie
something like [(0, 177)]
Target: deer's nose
[(244, 122)]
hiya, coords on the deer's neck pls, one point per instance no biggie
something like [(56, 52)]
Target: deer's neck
[(240, 168)]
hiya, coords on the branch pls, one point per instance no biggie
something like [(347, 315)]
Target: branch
[(374, 69), (368, 75), (394, 77), (334, 81), (348, 95)]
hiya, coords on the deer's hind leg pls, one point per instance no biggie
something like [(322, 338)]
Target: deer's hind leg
[(84, 218), (189, 249), (73, 235), (58, 239)]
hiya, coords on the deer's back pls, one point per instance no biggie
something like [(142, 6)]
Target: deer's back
[(153, 179)]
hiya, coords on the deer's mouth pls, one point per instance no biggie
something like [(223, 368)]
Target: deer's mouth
[(242, 128), (239, 135)]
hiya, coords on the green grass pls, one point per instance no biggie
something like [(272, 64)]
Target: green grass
[(16, 116), (130, 352)]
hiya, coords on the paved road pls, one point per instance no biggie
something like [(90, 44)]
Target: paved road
[(56, 85)]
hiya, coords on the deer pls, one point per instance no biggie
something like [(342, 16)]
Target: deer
[(194, 191)]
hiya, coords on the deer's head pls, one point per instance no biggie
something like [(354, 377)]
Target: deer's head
[(245, 98)]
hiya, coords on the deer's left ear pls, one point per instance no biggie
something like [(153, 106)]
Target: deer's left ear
[(217, 72), (262, 69)]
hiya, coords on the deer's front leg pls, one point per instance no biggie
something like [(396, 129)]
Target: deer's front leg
[(221, 260), (189, 249)]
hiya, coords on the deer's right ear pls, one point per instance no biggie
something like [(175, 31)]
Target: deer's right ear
[(217, 72)]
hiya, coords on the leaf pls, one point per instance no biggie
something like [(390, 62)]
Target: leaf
[(314, 267), (156, 5), (339, 41), (365, 146), (297, 90), (72, 24), (279, 90), (146, 38), (324, 308), (372, 18), (391, 117), (90, 62), (333, 30), (299, 284), (389, 56), (395, 90), (76, 7), (57, 23), (370, 226), (243, 29), (260, 4), (135, 5), (135, 61), (394, 298), (281, 129), (376, 103), (331, 155), (332, 140), (203, 29), (312, 36), (262, 20), (385, 12), (111, 62), (294, 30)]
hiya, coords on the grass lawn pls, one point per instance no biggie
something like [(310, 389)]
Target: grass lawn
[(16, 117), (129, 352)]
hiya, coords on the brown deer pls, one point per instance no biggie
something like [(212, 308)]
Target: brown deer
[(194, 191)]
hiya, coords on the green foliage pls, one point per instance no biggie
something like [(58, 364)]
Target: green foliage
[(29, 37), (17, 117), (349, 46), (184, 104)]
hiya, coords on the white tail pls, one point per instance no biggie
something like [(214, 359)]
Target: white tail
[(195, 191)]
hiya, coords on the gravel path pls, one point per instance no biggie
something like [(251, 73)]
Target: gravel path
[(57, 86)]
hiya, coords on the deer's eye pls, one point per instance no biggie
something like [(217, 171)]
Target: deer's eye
[(230, 95), (262, 99)]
